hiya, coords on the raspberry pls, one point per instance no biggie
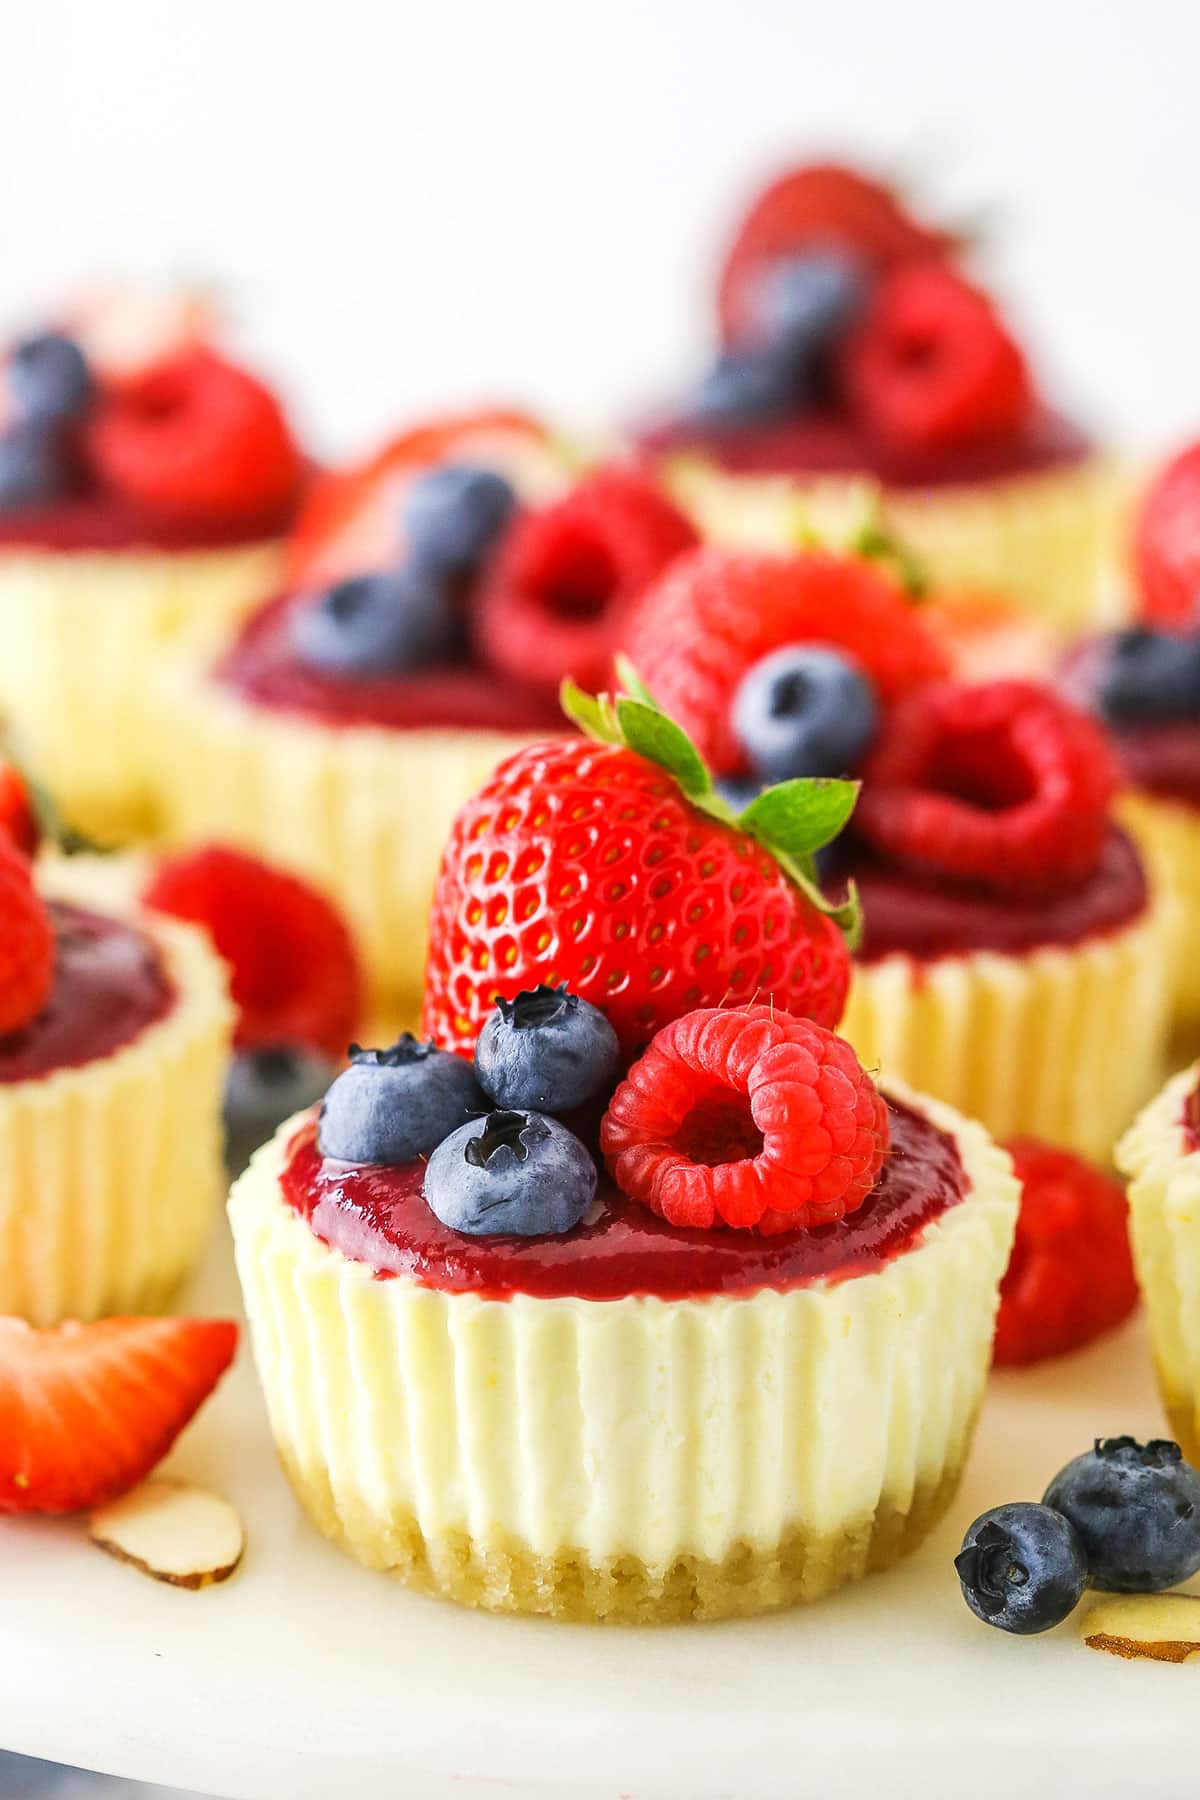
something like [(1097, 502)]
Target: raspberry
[(1003, 783), (18, 821), (1070, 1276), (197, 437), (814, 207), (295, 974), (752, 1119), (1167, 543), (557, 598), (933, 365), (717, 612), (26, 943)]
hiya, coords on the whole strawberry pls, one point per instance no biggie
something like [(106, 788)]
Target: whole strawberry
[(1167, 544), (608, 862)]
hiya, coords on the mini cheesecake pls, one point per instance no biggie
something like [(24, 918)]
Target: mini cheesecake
[(110, 1116), (630, 1421)]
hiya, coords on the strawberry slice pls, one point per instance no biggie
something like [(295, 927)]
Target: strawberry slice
[(351, 522), (86, 1411)]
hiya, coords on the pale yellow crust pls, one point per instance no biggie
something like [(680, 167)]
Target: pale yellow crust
[(83, 634), (626, 1459), (1164, 1222), (361, 812), (1050, 541), (1168, 834), (111, 1174), (1062, 1044)]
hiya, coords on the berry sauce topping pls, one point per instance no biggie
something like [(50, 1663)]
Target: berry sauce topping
[(110, 522), (380, 1216), (109, 986)]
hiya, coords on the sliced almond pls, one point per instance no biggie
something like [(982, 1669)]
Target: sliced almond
[(176, 1533), (1163, 1627)]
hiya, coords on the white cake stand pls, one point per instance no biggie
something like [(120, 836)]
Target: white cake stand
[(309, 1678)]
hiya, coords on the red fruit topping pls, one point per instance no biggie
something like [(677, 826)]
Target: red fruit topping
[(752, 1119), (1070, 1276), (18, 821), (352, 520), (86, 1411), (1167, 543), (557, 599), (932, 364), (584, 863), (295, 973), (714, 614), (26, 943), (1003, 784), (815, 207), (195, 437)]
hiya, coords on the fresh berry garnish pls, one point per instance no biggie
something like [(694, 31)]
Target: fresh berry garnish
[(1022, 1568), (1148, 676), (1003, 784), (511, 1173), (546, 1050), (743, 387), (718, 612), (804, 710), (18, 818), (614, 867), (370, 625), (267, 1085), (195, 437), (799, 306), (556, 599), (33, 470), (1167, 544), (294, 970), (26, 943), (1136, 1508), (1070, 1276), (48, 379), (933, 365), (751, 1119), (391, 1106), (815, 210), (453, 515), (86, 1411)]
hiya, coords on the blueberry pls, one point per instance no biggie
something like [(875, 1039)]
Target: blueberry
[(48, 378), (512, 1173), (32, 471), (746, 387), (1022, 1568), (267, 1085), (1148, 676), (801, 304), (804, 710), (375, 624), (453, 515), (547, 1050), (391, 1106), (1136, 1508)]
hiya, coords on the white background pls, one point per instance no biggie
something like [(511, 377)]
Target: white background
[(416, 203)]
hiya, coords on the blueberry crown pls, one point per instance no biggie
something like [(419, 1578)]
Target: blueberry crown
[(514, 1131), (535, 1007), (1159, 1453), (406, 1049), (989, 1568)]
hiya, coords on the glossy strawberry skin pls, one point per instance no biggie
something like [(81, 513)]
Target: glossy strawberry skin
[(18, 821), (1167, 544), (583, 863), (26, 942)]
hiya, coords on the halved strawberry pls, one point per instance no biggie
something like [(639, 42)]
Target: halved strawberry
[(351, 522), (86, 1411)]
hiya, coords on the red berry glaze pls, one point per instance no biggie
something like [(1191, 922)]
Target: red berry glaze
[(716, 612), (556, 601), (1167, 543), (584, 863), (1003, 784), (194, 437), (933, 365), (26, 943), (1070, 1276), (751, 1119), (294, 971), (814, 207), (86, 1411), (18, 822)]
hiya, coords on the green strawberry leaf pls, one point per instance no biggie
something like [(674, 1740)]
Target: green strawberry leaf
[(878, 543), (799, 816), (660, 740)]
